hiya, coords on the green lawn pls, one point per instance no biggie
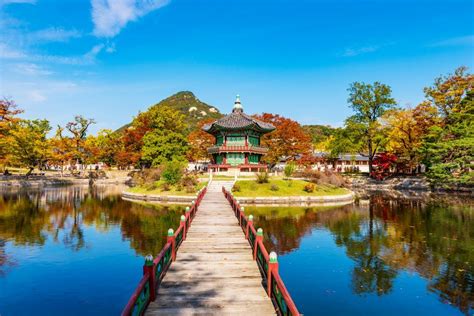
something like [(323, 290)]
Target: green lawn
[(285, 188), (157, 190)]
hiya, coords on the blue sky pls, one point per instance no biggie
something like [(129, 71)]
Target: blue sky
[(109, 59)]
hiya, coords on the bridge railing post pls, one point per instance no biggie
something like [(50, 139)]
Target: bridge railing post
[(272, 270), (172, 239), (247, 229), (257, 240), (148, 268), (183, 224)]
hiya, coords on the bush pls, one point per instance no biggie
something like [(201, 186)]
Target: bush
[(172, 172), (274, 187), (165, 187), (325, 178), (262, 177), (189, 180), (289, 169), (309, 188), (190, 189), (146, 176), (236, 188)]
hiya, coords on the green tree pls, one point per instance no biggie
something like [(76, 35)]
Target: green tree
[(166, 140), (30, 146), (369, 102), (449, 146)]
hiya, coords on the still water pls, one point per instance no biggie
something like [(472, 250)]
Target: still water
[(385, 256), (80, 251)]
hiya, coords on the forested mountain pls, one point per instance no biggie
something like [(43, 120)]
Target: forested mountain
[(187, 103)]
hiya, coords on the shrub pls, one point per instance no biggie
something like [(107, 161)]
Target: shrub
[(165, 187), (179, 187), (189, 180), (146, 176), (262, 177), (190, 189), (309, 188), (289, 169), (274, 187), (236, 188), (172, 172)]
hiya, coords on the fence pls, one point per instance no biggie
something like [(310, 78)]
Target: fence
[(267, 263), (155, 269)]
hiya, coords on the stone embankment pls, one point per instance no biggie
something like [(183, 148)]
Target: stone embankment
[(300, 200), (51, 181), (395, 183)]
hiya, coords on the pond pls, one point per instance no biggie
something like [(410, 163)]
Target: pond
[(385, 256), (78, 251)]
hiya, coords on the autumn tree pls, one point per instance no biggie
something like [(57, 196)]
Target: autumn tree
[(78, 128), (369, 102), (288, 140), (131, 141), (406, 130), (166, 140), (449, 146), (103, 147), (29, 143), (8, 117), (199, 141)]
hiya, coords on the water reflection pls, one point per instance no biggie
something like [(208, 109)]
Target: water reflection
[(31, 217), (384, 236)]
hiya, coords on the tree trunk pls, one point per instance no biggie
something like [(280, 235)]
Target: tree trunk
[(29, 171)]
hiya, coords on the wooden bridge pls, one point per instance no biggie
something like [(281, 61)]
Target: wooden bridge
[(222, 266)]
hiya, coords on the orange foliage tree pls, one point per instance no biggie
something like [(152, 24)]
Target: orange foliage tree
[(288, 140), (199, 141)]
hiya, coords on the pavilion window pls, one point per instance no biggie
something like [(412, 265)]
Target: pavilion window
[(254, 141), (236, 140), (253, 159)]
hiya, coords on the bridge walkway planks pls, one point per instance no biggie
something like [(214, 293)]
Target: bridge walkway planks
[(214, 272)]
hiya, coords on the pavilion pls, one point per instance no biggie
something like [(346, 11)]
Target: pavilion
[(237, 142)]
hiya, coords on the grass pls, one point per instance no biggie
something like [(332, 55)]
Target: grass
[(156, 189), (285, 188)]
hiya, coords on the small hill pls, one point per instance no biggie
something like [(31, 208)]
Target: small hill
[(188, 104)]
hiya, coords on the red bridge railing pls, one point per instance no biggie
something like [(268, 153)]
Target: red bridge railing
[(267, 263), (155, 269)]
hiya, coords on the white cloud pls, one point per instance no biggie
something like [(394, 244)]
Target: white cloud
[(455, 41), (350, 52), (88, 58), (53, 34), (7, 52), (35, 96), (31, 69), (111, 16)]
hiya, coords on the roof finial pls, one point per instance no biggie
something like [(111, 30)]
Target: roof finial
[(237, 105)]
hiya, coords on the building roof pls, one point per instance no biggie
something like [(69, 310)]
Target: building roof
[(238, 120)]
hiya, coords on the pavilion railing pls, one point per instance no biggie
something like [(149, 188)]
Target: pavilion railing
[(267, 263), (155, 269)]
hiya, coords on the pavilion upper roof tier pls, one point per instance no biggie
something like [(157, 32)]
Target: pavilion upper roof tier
[(238, 120)]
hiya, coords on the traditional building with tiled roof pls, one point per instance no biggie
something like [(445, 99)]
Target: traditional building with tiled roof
[(237, 146)]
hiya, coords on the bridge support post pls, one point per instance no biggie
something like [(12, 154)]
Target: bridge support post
[(172, 239), (148, 268), (272, 270)]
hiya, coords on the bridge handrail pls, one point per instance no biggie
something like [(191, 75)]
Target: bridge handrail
[(155, 269), (268, 266)]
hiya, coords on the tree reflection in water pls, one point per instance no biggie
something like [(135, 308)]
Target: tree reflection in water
[(30, 217), (432, 237)]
